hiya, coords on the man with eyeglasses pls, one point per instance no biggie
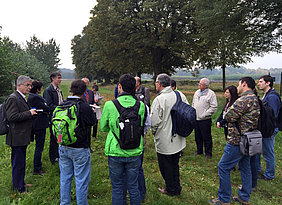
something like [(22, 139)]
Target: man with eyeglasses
[(19, 116)]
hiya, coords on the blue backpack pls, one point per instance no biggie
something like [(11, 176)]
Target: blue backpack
[(183, 117)]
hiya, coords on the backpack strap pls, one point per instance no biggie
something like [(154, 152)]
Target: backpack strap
[(177, 96)]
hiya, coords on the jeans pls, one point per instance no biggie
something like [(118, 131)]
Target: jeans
[(77, 162), (254, 169), (118, 168), (141, 179), (269, 155), (39, 146), (229, 159)]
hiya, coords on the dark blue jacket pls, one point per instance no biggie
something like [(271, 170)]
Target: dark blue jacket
[(51, 97), (41, 120), (273, 100)]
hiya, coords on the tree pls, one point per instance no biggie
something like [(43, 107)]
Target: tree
[(141, 36), (46, 52)]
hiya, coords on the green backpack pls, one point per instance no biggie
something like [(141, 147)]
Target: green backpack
[(65, 122)]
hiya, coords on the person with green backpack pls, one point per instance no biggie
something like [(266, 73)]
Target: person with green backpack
[(71, 124)]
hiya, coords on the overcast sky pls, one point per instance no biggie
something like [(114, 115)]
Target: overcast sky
[(62, 20)]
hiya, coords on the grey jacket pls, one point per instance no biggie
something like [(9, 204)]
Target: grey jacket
[(161, 123), (205, 104), (20, 121)]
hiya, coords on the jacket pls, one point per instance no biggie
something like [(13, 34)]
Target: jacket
[(19, 119), (161, 123), (41, 120), (243, 114), (91, 97), (109, 123), (51, 97), (205, 104), (143, 94)]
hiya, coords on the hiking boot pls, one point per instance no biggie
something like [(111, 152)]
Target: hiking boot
[(238, 199), (217, 202)]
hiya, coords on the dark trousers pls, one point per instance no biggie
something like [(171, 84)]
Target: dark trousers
[(203, 136), (18, 161), (254, 161), (94, 133), (39, 146), (53, 148), (141, 179), (169, 168)]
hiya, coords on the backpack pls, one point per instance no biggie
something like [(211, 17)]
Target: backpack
[(279, 115), (129, 123), (183, 117), (266, 121), (4, 125), (65, 122)]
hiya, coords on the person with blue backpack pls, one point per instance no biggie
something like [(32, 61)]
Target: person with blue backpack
[(272, 98), (168, 146)]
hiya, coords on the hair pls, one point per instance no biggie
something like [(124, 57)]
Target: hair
[(22, 79), (128, 83), (268, 78), (36, 85), (172, 83), (207, 81), (95, 87), (234, 95), (164, 79), (54, 75), (78, 87), (249, 81)]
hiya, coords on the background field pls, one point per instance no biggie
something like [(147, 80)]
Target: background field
[(199, 178)]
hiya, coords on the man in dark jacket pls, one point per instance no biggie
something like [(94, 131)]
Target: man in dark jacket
[(75, 159), (19, 117), (89, 95), (53, 96)]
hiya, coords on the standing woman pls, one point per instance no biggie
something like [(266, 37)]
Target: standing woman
[(231, 96), (39, 123)]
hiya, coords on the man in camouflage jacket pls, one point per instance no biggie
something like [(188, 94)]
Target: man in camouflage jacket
[(244, 113)]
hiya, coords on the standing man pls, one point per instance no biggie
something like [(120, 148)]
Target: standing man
[(168, 147), (142, 93), (243, 114), (205, 103), (19, 116), (88, 97), (53, 96), (123, 163), (271, 97)]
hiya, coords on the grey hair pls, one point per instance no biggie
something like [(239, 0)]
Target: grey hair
[(163, 79), (86, 79), (22, 79), (207, 81)]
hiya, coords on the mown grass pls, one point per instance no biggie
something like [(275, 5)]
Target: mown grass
[(199, 178)]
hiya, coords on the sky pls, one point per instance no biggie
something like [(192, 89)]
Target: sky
[(62, 20)]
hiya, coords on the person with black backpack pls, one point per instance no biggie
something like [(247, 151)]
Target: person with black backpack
[(75, 158), (168, 145), (123, 119), (272, 99)]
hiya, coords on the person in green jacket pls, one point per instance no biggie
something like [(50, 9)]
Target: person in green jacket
[(123, 164)]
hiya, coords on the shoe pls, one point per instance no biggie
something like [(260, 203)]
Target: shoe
[(238, 199), (217, 202), (91, 151), (40, 172), (163, 191), (196, 153), (208, 156), (28, 185), (264, 178)]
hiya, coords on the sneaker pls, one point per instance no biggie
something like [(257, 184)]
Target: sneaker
[(238, 199), (217, 202)]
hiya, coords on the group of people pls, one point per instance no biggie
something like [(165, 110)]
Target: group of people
[(28, 117)]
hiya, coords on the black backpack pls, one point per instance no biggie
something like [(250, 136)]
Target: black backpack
[(279, 115), (129, 123), (266, 121), (183, 117)]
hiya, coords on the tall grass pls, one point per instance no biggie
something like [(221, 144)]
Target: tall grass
[(198, 176)]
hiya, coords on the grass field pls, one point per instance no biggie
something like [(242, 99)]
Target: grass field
[(198, 176)]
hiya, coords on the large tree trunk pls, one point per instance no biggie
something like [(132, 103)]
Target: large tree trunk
[(107, 79), (223, 67), (157, 54)]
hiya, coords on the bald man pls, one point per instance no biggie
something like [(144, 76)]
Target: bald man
[(142, 93)]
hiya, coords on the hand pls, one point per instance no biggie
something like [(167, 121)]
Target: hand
[(95, 100), (218, 125), (33, 111)]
